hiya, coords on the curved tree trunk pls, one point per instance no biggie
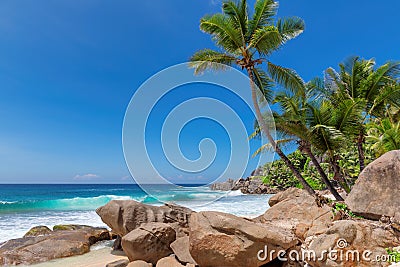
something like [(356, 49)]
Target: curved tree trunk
[(361, 155), (264, 128), (338, 175), (322, 173)]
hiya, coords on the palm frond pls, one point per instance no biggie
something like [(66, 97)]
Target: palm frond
[(383, 135), (332, 81), (210, 59), (346, 117), (266, 40), (354, 73), (288, 78), (316, 90), (263, 82), (222, 31), (264, 12), (388, 73), (268, 147), (290, 28), (389, 95), (238, 14), (325, 137), (288, 103)]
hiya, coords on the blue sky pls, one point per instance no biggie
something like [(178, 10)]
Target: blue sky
[(69, 68)]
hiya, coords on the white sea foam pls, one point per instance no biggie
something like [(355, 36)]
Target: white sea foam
[(16, 226), (235, 193), (80, 210)]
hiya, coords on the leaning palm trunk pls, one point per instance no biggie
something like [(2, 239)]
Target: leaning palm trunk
[(264, 128), (325, 179), (360, 148), (338, 175)]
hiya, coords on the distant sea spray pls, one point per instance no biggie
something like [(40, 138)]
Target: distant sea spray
[(25, 206)]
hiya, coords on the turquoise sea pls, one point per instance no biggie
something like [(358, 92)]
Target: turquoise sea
[(25, 206)]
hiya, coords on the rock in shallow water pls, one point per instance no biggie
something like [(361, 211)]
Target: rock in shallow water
[(57, 244), (223, 186), (38, 230)]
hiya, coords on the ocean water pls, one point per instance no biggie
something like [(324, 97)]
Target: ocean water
[(25, 206)]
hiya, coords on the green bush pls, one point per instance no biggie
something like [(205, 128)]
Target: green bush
[(342, 208), (394, 255), (349, 162), (278, 175)]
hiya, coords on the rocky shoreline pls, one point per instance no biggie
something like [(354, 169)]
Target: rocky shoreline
[(295, 231), (250, 185), (41, 244)]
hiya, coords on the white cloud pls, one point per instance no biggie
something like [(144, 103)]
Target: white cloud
[(125, 177), (88, 176)]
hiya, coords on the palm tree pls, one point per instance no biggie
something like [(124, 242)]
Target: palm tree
[(384, 135), (358, 80), (245, 41), (331, 126), (294, 123), (318, 126)]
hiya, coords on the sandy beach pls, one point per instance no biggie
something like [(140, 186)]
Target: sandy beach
[(95, 258)]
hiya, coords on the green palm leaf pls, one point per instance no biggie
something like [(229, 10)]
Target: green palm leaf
[(264, 12), (288, 78), (210, 59), (290, 28), (222, 31), (238, 14), (266, 40), (264, 83)]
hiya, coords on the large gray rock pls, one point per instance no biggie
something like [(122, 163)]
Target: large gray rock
[(223, 186), (58, 244), (250, 185), (296, 209), (149, 242), (123, 216), (219, 239), (348, 236), (376, 191)]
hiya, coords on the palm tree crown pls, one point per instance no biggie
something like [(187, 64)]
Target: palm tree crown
[(246, 41)]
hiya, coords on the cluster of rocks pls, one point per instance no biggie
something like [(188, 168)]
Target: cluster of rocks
[(295, 224), (249, 185), (150, 233), (42, 244), (295, 231)]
